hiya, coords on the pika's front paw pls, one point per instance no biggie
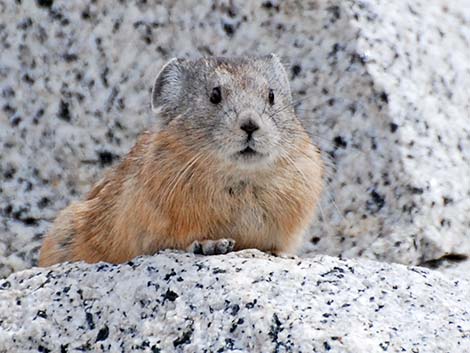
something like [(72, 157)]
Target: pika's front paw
[(212, 247)]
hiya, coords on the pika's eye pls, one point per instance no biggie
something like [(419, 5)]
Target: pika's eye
[(216, 95), (271, 96)]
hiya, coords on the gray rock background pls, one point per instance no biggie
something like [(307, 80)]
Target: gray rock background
[(381, 86), (399, 118)]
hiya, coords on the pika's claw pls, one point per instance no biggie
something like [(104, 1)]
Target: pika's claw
[(212, 247)]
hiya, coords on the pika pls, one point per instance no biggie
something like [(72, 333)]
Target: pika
[(227, 166)]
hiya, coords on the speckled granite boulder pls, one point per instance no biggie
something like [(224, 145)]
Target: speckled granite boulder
[(382, 86), (390, 90), (242, 302)]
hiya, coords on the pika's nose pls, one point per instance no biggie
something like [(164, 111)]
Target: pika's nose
[(249, 126)]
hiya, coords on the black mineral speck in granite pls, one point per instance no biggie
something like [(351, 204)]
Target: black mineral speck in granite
[(235, 309), (45, 3), (335, 12), (103, 333), (276, 328), (42, 314), (7, 108), (102, 267), (384, 97), (375, 203), (315, 240), (415, 190), (15, 121), (217, 270), (64, 111), (89, 320), (337, 47), (235, 324), (185, 338), (169, 295), (270, 5), (229, 29), (335, 271), (43, 202), (21, 215), (25, 23), (447, 200), (170, 274), (229, 344), (296, 69), (70, 57), (9, 172), (358, 58), (106, 157), (43, 349), (340, 142), (384, 345), (250, 305)]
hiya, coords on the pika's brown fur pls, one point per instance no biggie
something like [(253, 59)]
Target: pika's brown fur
[(174, 188)]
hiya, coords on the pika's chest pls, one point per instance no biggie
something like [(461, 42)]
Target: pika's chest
[(247, 207)]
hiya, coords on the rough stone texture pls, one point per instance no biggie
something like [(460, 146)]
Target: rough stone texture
[(398, 112), (382, 86), (242, 302)]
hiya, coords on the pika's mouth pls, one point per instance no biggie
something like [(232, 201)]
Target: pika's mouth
[(248, 152), (249, 155)]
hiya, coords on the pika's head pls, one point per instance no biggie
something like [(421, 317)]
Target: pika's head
[(238, 109)]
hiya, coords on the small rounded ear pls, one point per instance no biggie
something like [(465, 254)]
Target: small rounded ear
[(167, 86), (278, 70)]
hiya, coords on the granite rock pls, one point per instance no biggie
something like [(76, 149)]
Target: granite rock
[(241, 302), (381, 86), (394, 76)]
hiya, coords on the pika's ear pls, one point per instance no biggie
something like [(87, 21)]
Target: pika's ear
[(167, 86), (278, 70)]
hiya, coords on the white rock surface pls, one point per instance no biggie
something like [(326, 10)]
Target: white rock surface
[(382, 86), (241, 302), (395, 76)]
